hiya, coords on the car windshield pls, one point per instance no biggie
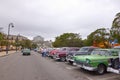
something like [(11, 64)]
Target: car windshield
[(84, 50), (73, 49)]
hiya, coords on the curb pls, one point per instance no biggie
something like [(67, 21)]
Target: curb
[(7, 54)]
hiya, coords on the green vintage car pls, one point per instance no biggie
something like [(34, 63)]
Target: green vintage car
[(26, 52), (98, 60)]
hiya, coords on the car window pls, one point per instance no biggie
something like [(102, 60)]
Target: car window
[(114, 53), (100, 52), (84, 49)]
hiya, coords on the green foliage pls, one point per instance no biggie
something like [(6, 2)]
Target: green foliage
[(116, 21), (89, 40), (26, 43), (68, 40), (2, 41), (34, 45), (97, 36), (115, 30)]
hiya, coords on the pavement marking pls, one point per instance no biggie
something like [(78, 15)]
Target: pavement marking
[(89, 78), (70, 68)]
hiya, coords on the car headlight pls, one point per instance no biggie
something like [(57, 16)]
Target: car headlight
[(87, 61)]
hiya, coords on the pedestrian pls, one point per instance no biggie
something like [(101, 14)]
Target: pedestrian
[(44, 52)]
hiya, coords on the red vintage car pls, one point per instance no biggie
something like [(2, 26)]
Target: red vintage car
[(62, 53), (53, 52)]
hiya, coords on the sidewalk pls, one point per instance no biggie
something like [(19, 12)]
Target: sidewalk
[(4, 53)]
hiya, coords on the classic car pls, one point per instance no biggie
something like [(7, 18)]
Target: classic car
[(62, 53), (98, 60), (53, 52), (114, 65), (82, 51), (26, 52)]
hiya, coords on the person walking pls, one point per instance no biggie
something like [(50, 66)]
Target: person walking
[(44, 52)]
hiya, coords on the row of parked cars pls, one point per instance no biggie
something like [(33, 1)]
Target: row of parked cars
[(89, 58)]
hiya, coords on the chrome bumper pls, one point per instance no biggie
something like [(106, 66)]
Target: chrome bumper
[(117, 71), (87, 67), (72, 60), (55, 57)]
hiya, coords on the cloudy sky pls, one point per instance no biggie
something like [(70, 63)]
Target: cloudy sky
[(51, 18)]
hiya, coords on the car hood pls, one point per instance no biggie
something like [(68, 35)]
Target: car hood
[(61, 52)]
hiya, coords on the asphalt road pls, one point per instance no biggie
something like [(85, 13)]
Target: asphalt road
[(34, 67)]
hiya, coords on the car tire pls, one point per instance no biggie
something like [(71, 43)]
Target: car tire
[(63, 59), (101, 69), (71, 62)]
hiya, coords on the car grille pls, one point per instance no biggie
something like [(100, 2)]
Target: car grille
[(82, 63), (69, 57)]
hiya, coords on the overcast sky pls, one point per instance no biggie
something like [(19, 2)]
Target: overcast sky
[(51, 18)]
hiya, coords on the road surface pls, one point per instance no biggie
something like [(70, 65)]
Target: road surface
[(34, 67)]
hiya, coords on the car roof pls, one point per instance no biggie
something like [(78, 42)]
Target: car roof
[(109, 49), (89, 47)]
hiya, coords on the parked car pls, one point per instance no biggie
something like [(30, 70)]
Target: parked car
[(26, 52), (82, 51), (53, 52), (114, 65), (48, 50), (35, 49), (98, 60), (62, 53)]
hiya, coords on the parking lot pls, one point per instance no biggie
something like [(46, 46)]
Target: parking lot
[(36, 67), (78, 73)]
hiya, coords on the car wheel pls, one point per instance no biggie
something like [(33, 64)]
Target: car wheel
[(51, 57), (62, 59), (71, 62), (101, 69)]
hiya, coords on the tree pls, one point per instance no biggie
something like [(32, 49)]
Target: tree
[(68, 40), (26, 44), (116, 21), (1, 39), (89, 40), (34, 45), (98, 36), (115, 29)]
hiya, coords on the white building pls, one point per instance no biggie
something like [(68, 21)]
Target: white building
[(41, 43)]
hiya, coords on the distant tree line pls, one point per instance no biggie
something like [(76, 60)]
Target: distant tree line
[(101, 35)]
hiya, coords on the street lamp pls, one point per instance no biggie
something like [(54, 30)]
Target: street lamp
[(7, 47)]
